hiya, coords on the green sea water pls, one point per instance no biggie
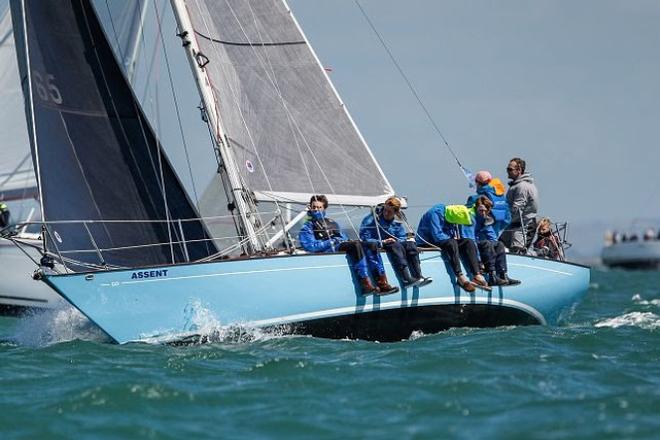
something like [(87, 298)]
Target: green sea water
[(595, 376)]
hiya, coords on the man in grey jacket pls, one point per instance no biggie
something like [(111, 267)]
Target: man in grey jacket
[(523, 200)]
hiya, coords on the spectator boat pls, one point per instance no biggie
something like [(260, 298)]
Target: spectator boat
[(635, 252)]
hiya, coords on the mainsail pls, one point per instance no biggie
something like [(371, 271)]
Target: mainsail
[(289, 133), (96, 156), (17, 179)]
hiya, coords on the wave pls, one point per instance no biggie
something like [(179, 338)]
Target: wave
[(644, 320), (61, 324), (637, 299)]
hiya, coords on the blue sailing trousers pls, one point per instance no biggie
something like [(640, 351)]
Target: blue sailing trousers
[(493, 255), (404, 254), (363, 257)]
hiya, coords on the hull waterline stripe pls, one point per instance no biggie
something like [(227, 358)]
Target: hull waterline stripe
[(343, 311), (446, 300)]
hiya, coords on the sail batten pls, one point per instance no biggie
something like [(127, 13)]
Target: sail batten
[(287, 128)]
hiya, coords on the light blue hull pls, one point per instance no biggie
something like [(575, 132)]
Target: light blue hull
[(312, 294)]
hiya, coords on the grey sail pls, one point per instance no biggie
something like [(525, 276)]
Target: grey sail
[(288, 131), (96, 157), (17, 179)]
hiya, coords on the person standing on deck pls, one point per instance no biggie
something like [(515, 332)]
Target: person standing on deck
[(323, 234), (523, 200), (440, 227), (385, 231)]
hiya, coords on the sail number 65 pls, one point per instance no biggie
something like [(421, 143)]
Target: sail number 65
[(46, 88)]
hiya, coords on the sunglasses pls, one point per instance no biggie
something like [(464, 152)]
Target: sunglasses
[(512, 169)]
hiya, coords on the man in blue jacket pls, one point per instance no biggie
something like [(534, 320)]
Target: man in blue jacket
[(391, 235), (323, 234), (439, 227)]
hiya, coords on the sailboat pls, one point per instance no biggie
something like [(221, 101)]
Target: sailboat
[(128, 247)]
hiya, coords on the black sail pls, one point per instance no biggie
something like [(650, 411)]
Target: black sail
[(96, 156)]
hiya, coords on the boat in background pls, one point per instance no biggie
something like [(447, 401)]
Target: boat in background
[(19, 294), (127, 246), (633, 250)]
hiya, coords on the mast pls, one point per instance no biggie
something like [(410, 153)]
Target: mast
[(197, 62)]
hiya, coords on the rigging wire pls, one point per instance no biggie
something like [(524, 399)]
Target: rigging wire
[(271, 76), (156, 168), (220, 125), (466, 172), (291, 119), (176, 104), (114, 32)]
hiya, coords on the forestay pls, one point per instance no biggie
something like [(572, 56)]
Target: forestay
[(97, 158), (288, 131), (17, 179)]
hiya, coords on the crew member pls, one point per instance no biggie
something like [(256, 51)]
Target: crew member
[(400, 246), (323, 234)]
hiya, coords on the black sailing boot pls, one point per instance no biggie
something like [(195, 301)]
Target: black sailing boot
[(509, 281), (416, 271), (407, 278), (495, 280)]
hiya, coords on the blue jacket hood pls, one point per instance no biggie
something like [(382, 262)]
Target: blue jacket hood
[(433, 228)]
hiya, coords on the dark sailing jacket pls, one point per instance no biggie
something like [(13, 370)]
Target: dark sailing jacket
[(320, 235)]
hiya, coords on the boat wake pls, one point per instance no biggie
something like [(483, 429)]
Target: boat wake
[(53, 326), (643, 320), (203, 327)]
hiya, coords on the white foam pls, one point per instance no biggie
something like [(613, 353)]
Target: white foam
[(644, 320), (60, 324), (202, 326), (416, 334), (637, 299)]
